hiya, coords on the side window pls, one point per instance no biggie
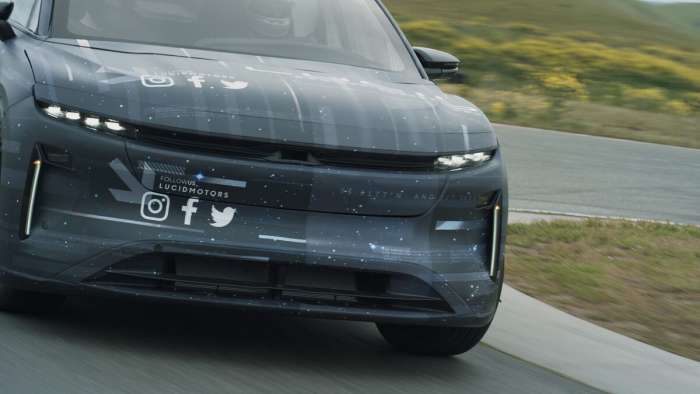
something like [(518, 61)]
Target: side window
[(23, 8)]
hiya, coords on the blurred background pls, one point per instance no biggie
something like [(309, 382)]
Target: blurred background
[(620, 68), (628, 69)]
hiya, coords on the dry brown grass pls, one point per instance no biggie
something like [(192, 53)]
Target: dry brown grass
[(639, 279)]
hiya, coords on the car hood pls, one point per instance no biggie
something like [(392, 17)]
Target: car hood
[(258, 98)]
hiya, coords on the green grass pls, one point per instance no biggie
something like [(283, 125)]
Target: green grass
[(619, 68), (625, 22), (639, 279)]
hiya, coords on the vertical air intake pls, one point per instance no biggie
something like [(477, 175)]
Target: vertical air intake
[(36, 173), (495, 240)]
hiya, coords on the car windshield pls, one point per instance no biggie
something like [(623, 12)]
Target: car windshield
[(352, 32)]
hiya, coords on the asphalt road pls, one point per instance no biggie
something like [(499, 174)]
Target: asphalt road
[(600, 176), (105, 347)]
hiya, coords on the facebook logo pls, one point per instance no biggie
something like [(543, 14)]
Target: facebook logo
[(189, 210)]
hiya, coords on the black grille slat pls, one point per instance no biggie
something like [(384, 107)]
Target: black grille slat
[(279, 288), (272, 281), (286, 153)]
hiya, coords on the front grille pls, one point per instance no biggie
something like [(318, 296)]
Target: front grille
[(266, 280), (288, 153)]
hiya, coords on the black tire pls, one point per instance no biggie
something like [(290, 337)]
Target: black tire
[(22, 301), (432, 341)]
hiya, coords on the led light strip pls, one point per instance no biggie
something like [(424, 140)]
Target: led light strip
[(32, 197), (93, 122), (495, 241), (456, 162)]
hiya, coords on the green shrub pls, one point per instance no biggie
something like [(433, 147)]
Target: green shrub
[(566, 67)]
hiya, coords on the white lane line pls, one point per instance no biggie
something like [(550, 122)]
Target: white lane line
[(603, 217), (120, 220), (282, 239)]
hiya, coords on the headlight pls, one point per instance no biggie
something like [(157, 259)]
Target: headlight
[(87, 120), (454, 162)]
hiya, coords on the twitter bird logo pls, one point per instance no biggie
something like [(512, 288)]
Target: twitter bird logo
[(222, 218)]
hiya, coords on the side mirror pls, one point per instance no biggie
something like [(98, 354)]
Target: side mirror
[(6, 8), (437, 64), (6, 32)]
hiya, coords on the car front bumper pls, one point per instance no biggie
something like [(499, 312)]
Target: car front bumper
[(89, 233)]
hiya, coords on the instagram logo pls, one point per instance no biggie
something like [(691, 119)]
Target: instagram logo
[(155, 207), (156, 81)]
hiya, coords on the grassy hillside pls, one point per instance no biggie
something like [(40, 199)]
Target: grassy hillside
[(596, 66), (622, 22), (685, 17)]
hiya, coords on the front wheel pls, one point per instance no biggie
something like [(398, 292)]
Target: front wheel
[(21, 301), (432, 341)]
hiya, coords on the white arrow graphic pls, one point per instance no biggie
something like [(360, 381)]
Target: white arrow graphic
[(136, 188)]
